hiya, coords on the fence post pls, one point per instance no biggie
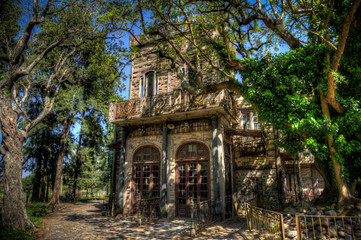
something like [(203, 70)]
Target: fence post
[(247, 219), (193, 230), (139, 218), (298, 227), (283, 228)]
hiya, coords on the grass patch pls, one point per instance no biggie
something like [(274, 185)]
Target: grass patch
[(18, 235), (88, 199), (36, 211)]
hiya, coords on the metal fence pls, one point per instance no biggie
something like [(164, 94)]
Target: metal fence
[(265, 221), (149, 207), (203, 212), (328, 227), (307, 196)]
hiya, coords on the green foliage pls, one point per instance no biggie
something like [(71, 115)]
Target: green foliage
[(36, 211), (18, 235)]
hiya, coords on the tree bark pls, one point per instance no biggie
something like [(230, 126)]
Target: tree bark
[(346, 202), (44, 181), (59, 168), (14, 215), (330, 191), (36, 181), (77, 163), (280, 174)]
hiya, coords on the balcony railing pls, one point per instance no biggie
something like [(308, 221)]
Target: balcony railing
[(177, 101), (250, 148)]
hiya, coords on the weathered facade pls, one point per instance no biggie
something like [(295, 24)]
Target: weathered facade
[(171, 147)]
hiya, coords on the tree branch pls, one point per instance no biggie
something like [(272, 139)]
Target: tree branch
[(331, 80)]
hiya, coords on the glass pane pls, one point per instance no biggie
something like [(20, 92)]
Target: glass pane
[(150, 83)]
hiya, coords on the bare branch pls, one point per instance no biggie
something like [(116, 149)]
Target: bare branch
[(328, 42), (25, 36), (40, 57), (300, 11)]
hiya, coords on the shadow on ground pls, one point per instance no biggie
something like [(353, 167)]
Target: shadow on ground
[(85, 221)]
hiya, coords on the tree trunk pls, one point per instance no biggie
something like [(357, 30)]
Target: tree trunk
[(59, 168), (280, 174), (76, 172), (36, 182), (44, 181), (346, 202), (14, 215), (77, 163), (329, 194), (47, 188)]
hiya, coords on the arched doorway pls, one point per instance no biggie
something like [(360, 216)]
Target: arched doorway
[(146, 172), (192, 177)]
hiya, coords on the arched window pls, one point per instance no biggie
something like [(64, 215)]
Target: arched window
[(192, 176), (146, 173), (149, 85)]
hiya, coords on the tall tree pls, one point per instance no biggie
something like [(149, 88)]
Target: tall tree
[(303, 92), (51, 28), (67, 122)]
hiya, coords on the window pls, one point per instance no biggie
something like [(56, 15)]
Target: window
[(141, 90), (256, 123), (148, 85), (192, 75), (146, 173), (250, 121), (246, 120)]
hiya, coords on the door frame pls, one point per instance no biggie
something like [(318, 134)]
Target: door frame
[(188, 161), (142, 163)]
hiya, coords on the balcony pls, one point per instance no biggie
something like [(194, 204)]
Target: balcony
[(174, 105), (256, 147)]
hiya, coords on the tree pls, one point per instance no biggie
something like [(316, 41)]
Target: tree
[(40, 152), (56, 29), (304, 92)]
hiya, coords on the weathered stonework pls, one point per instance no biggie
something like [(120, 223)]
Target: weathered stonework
[(243, 161)]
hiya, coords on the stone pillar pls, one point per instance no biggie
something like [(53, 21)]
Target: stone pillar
[(114, 177), (217, 197), (163, 207), (120, 196)]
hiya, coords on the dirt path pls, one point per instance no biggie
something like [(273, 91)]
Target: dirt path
[(84, 221)]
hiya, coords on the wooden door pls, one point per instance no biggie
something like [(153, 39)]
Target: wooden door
[(192, 178)]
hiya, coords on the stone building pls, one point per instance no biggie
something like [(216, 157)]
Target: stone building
[(171, 147)]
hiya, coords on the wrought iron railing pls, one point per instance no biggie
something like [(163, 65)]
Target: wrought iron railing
[(177, 101), (201, 215), (328, 227), (265, 221), (204, 212), (307, 196), (149, 207)]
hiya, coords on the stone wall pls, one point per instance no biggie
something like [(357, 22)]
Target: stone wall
[(185, 131), (259, 184)]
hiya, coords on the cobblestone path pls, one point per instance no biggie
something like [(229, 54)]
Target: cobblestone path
[(84, 221)]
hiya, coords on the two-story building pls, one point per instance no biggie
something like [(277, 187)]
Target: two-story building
[(171, 147)]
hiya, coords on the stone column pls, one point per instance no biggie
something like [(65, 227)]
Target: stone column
[(217, 197), (164, 171), (123, 132)]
